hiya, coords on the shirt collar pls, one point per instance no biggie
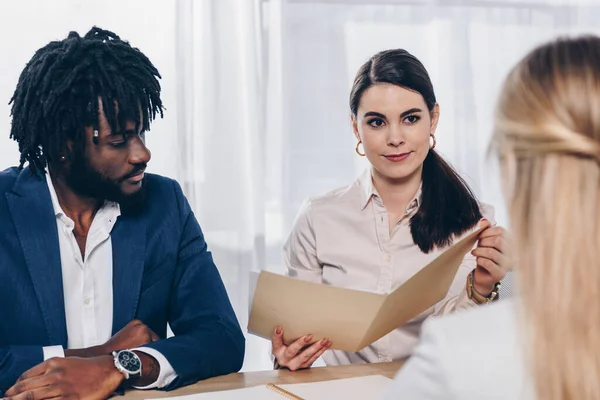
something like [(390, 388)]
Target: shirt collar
[(368, 191), (58, 211), (113, 208)]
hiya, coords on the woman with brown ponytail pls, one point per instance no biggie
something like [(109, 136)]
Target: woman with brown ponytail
[(405, 210)]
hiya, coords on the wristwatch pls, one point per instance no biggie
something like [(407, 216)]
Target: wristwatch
[(478, 297), (128, 363)]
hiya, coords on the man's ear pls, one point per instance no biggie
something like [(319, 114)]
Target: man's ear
[(69, 149)]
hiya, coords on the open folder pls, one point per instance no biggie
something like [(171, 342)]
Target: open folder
[(352, 319)]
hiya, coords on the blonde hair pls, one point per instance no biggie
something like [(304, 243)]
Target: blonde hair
[(547, 134)]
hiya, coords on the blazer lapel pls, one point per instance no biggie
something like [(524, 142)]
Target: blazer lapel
[(128, 244), (32, 213)]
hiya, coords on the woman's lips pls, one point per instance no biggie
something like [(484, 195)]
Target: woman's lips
[(397, 157)]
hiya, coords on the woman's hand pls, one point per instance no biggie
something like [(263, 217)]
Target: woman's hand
[(300, 354), (493, 259)]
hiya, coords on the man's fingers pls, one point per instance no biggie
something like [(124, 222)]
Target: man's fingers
[(131, 325), (47, 392), (39, 369), (153, 335), (29, 384), (297, 346)]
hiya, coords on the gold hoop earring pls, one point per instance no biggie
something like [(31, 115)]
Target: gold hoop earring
[(433, 145), (357, 150)]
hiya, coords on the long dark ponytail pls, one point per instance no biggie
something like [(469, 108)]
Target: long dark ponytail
[(448, 207)]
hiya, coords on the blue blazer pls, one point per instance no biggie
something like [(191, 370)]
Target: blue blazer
[(162, 273)]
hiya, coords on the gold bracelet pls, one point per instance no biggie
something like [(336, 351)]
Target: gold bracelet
[(478, 297)]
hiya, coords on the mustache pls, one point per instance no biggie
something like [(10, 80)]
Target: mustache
[(136, 170)]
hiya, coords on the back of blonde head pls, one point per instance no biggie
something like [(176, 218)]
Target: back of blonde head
[(548, 138)]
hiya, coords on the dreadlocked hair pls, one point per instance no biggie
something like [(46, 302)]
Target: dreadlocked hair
[(58, 93)]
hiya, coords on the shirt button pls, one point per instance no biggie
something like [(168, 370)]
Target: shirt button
[(87, 301), (387, 258)]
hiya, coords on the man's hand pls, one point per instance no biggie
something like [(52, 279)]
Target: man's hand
[(134, 334), (78, 378)]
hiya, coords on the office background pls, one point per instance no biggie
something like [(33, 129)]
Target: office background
[(256, 93)]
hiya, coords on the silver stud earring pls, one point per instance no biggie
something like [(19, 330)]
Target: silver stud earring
[(95, 138)]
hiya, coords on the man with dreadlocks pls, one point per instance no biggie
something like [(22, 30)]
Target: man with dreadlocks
[(96, 257)]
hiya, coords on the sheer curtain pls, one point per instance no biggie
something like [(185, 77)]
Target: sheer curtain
[(257, 97), (222, 154)]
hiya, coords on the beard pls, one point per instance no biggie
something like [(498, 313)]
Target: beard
[(86, 181)]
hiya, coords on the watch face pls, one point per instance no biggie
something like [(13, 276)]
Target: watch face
[(129, 361)]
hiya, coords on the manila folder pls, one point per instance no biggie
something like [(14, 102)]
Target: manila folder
[(352, 319)]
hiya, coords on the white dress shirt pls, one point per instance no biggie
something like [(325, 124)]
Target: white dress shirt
[(478, 354), (343, 239), (87, 285)]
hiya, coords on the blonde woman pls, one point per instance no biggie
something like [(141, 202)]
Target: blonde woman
[(545, 345)]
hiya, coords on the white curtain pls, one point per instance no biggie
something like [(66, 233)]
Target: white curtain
[(257, 97), (222, 156)]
